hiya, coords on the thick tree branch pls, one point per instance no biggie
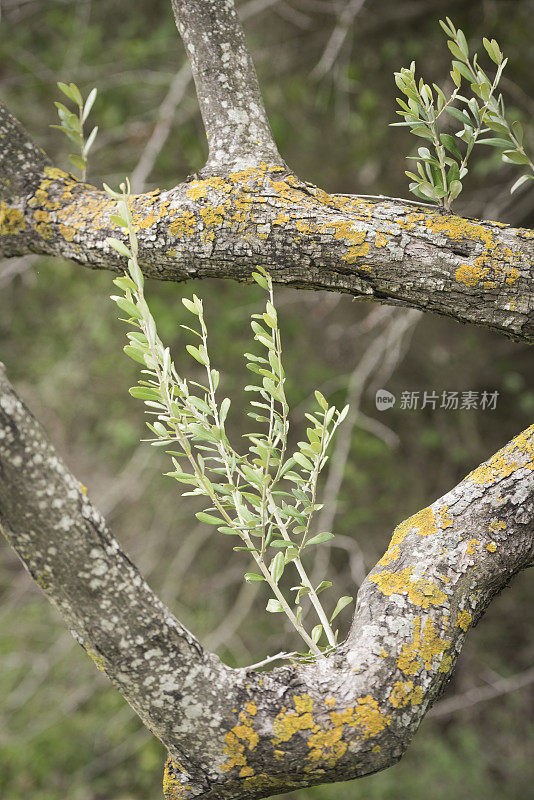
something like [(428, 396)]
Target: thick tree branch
[(386, 250), (237, 733), (230, 100)]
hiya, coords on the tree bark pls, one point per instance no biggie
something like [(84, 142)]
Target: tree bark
[(237, 733)]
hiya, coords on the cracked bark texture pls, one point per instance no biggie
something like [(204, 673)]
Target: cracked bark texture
[(235, 733)]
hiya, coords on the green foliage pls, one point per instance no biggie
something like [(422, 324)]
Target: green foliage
[(263, 497), (441, 169), (72, 124)]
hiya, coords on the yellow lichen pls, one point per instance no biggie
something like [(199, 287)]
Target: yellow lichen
[(425, 647), (240, 739), (506, 461), (464, 620), (491, 547), (419, 591), (472, 545), (423, 524), (495, 526), (470, 274), (404, 693), (11, 220), (172, 788)]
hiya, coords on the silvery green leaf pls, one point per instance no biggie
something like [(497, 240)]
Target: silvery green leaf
[(207, 518), (91, 97), (303, 461), (250, 577), (274, 606), (520, 181), (341, 604), (119, 246), (323, 585), (190, 306), (127, 306), (277, 567), (316, 633), (320, 538), (90, 140), (515, 156), (261, 280)]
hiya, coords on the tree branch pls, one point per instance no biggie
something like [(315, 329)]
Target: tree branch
[(230, 100), (386, 250), (242, 734)]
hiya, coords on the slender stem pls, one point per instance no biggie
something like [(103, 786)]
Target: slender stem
[(305, 580)]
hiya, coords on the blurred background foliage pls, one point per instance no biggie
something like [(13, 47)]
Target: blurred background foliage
[(326, 69)]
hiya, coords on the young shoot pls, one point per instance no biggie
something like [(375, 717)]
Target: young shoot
[(72, 124), (442, 163), (263, 496)]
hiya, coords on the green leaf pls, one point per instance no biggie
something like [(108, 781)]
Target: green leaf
[(208, 518), (455, 50), (316, 633), (450, 143), (320, 538), (323, 585), (455, 187), (127, 306), (89, 104), (495, 142), (197, 354), (78, 161), (516, 157), (190, 306), (145, 393), (276, 567), (341, 604), (274, 606), (76, 94), (303, 461), (321, 400), (116, 220), (460, 116), (67, 91), (520, 181), (225, 405), (261, 280), (135, 353), (90, 140), (251, 577), (119, 246)]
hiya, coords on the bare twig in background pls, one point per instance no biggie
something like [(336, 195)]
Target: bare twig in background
[(235, 616), (398, 327), (162, 128), (13, 267), (337, 38), (482, 693)]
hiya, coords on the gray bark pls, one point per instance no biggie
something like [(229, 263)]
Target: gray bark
[(236, 733)]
